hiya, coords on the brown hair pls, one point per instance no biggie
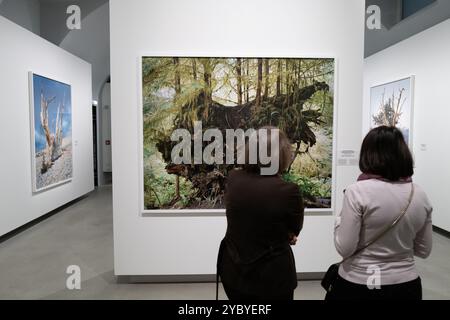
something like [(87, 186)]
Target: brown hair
[(285, 152)]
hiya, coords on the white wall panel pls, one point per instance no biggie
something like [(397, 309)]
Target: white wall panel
[(256, 28), (21, 52)]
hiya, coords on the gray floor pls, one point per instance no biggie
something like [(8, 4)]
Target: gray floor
[(33, 263)]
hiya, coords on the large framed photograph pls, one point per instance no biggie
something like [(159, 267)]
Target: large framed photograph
[(196, 94), (51, 132), (392, 104)]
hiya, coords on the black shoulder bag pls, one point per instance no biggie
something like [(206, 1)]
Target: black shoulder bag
[(247, 266), (332, 273)]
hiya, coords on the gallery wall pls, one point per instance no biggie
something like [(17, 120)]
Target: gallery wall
[(426, 56), (23, 12), (105, 140), (394, 30), (54, 17), (301, 28), (91, 43), (23, 51)]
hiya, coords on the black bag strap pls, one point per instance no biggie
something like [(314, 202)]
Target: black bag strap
[(387, 229)]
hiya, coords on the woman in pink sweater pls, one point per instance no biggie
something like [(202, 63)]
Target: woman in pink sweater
[(386, 269)]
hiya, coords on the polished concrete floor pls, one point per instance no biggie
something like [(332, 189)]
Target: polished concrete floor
[(33, 263)]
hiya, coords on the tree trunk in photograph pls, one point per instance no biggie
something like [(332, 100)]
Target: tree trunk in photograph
[(266, 78), (194, 69), (288, 82), (279, 77), (176, 62), (296, 80), (207, 86), (239, 79), (207, 79), (53, 148), (259, 84), (247, 86), (57, 143)]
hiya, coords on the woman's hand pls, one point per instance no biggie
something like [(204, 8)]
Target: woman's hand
[(292, 239)]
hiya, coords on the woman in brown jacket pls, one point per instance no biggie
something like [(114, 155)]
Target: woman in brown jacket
[(265, 216)]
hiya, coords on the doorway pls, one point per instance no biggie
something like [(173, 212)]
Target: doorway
[(94, 135)]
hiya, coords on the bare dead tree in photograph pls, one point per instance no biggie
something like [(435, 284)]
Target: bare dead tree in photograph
[(53, 149), (390, 111)]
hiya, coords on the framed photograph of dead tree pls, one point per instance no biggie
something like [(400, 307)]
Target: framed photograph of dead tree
[(392, 104), (199, 94), (51, 132)]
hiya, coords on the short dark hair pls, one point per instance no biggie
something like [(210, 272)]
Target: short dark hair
[(385, 153)]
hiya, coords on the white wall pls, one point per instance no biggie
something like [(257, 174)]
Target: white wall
[(91, 43), (106, 128), (23, 12), (394, 29), (425, 55), (288, 28), (21, 52), (54, 17)]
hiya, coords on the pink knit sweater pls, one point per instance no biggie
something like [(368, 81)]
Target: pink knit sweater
[(369, 206)]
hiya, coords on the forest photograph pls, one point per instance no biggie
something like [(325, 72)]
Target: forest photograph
[(295, 95)]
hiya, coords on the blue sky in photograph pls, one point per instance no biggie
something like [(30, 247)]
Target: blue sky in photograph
[(51, 88)]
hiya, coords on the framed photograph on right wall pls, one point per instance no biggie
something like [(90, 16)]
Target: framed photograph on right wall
[(392, 104)]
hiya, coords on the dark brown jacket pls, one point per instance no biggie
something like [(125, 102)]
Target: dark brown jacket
[(256, 258)]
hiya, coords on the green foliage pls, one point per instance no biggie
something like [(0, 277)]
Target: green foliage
[(159, 187), (316, 162), (310, 187), (322, 101)]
